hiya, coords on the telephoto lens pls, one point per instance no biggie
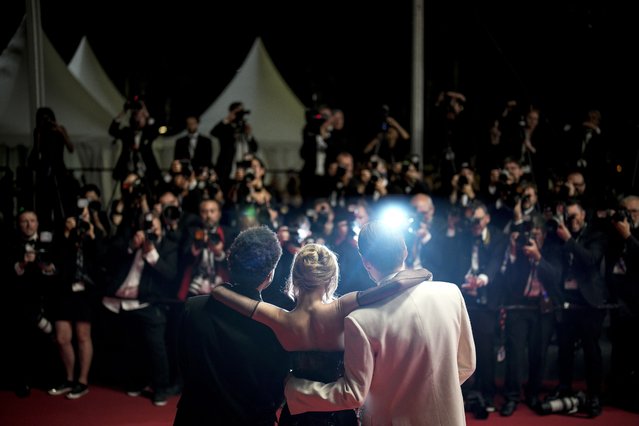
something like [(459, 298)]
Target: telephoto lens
[(565, 405)]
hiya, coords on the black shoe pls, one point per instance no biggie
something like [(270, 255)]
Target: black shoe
[(159, 399), (593, 407), (508, 408), (23, 391), (533, 403), (61, 389), (78, 391)]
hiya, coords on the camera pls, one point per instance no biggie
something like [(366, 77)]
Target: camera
[(239, 116), (135, 188), (134, 104), (567, 405), (202, 235), (523, 239), (249, 175), (461, 182), (44, 324), (149, 232), (620, 215)]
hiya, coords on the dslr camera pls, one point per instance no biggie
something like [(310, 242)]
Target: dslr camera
[(134, 104), (620, 215), (202, 236)]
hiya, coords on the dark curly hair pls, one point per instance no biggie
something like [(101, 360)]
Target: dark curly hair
[(253, 254)]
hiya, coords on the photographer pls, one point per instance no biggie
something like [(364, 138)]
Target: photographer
[(392, 143), (140, 271), (583, 291), (137, 130), (73, 300), (531, 274), (205, 261), (46, 159), (464, 186), (622, 276), (236, 139), (30, 269)]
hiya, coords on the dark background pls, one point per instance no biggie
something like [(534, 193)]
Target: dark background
[(563, 58)]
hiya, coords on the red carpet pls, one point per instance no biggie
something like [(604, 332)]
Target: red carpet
[(104, 406)]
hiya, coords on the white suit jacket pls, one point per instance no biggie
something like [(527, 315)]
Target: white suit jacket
[(405, 359)]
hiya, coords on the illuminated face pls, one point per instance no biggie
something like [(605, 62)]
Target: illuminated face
[(28, 224), (210, 213), (575, 218)]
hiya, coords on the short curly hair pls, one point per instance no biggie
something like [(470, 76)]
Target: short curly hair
[(253, 255)]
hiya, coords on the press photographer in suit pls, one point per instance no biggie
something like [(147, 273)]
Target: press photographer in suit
[(584, 291)]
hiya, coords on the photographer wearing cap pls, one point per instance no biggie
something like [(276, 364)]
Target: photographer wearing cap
[(235, 137)]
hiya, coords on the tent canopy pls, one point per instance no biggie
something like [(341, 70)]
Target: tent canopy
[(277, 115)]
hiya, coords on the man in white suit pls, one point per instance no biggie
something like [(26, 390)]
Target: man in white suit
[(405, 357)]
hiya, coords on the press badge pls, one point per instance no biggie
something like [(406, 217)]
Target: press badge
[(570, 284)]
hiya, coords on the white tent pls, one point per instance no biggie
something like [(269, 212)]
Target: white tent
[(87, 70), (277, 115), (85, 119)]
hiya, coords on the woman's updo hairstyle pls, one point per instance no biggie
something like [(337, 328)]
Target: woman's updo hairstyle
[(314, 266)]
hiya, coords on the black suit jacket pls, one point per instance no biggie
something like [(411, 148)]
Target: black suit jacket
[(145, 151), (157, 282), (587, 252), (203, 155), (233, 367), (491, 256)]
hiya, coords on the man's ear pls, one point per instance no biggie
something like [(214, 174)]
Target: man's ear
[(267, 281)]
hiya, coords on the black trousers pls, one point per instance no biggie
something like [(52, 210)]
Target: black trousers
[(146, 332), (528, 334), (585, 325), (483, 322)]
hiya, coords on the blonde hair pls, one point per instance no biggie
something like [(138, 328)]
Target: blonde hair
[(314, 266)]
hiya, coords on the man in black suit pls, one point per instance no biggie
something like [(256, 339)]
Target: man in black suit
[(478, 251), (584, 291), (140, 270), (233, 367), (236, 139), (137, 130), (194, 146)]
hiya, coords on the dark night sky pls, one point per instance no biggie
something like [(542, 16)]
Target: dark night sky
[(563, 58)]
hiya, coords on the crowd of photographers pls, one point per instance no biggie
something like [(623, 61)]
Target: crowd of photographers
[(535, 263)]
